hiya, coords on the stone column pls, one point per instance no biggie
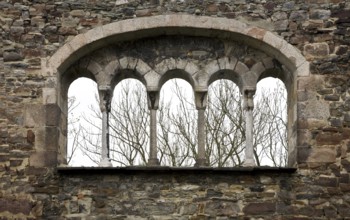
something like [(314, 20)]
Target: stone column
[(201, 104), (105, 106), (153, 100), (248, 107)]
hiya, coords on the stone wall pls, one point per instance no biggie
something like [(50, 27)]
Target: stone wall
[(31, 187)]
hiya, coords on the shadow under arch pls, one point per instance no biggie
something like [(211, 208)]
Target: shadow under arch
[(226, 75), (66, 79), (122, 74), (176, 73)]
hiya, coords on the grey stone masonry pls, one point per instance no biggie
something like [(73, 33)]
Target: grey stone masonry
[(45, 45)]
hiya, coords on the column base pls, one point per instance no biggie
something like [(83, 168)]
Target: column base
[(105, 163), (153, 162), (201, 163), (249, 163)]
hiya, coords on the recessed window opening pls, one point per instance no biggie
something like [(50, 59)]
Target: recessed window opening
[(129, 124), (225, 125), (177, 124), (270, 123), (84, 123)]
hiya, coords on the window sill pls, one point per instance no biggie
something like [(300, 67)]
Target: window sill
[(173, 170)]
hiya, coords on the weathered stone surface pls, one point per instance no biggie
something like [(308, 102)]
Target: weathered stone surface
[(316, 50), (320, 14), (15, 206), (328, 138), (33, 118), (259, 208), (317, 155), (12, 56)]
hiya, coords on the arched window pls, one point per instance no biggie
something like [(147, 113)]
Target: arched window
[(84, 123), (129, 124), (177, 124), (220, 57), (225, 125), (270, 123)]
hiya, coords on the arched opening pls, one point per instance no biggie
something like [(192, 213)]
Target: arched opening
[(177, 124), (84, 123), (225, 125), (72, 54), (129, 124), (270, 123)]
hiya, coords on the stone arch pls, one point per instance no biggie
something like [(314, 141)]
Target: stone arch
[(84, 68), (128, 67), (227, 68), (176, 73), (196, 26), (181, 25)]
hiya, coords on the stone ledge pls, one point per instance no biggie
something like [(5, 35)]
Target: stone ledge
[(172, 170)]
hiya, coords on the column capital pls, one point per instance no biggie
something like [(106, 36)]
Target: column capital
[(248, 98), (153, 99), (106, 94)]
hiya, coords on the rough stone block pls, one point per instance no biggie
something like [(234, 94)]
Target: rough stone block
[(313, 24), (142, 68), (241, 68), (256, 33), (341, 50), (330, 212), (344, 187), (43, 159), (316, 50), (191, 68), (52, 114), (227, 63), (181, 63), (30, 137), (59, 57), (33, 115), (316, 109), (273, 40), (345, 164), (260, 208), (12, 56), (152, 79), (304, 137), (212, 67), (111, 69), (15, 206), (222, 208), (317, 155), (293, 55), (49, 96), (300, 15), (51, 138), (94, 34), (328, 138), (258, 69), (343, 210), (303, 69), (281, 25), (327, 181)]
